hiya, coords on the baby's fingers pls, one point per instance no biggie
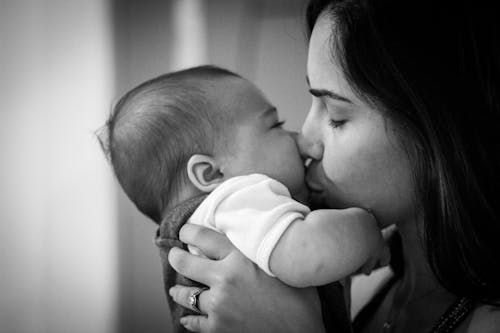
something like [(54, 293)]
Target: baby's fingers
[(385, 258), (195, 323)]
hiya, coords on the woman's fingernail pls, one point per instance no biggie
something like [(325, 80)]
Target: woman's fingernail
[(171, 291), (183, 321)]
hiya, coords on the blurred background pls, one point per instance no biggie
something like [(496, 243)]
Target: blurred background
[(75, 255)]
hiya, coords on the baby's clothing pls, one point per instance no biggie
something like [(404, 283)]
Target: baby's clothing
[(253, 211), (166, 238), (333, 307)]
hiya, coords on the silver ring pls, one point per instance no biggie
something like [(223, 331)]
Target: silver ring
[(193, 300)]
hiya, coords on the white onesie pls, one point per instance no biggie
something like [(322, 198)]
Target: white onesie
[(253, 211)]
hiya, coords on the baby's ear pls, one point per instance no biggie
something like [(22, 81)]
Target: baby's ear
[(204, 173)]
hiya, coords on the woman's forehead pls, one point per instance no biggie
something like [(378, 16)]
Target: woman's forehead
[(323, 69)]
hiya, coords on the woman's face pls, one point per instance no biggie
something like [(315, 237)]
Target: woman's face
[(357, 159)]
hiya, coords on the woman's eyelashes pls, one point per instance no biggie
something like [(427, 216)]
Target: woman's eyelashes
[(327, 109)]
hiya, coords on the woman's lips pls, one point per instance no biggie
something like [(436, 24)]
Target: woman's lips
[(313, 170)]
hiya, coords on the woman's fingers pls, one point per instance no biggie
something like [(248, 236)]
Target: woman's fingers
[(213, 244), (182, 294), (192, 266), (195, 323)]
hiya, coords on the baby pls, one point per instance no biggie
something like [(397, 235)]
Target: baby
[(206, 130)]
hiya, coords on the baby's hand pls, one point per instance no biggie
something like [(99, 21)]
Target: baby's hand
[(383, 256)]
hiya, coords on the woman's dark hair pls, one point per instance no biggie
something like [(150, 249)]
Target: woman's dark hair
[(436, 73)]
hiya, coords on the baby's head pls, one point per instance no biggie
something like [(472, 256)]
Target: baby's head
[(184, 133)]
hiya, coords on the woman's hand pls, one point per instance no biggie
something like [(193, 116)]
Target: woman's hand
[(241, 298)]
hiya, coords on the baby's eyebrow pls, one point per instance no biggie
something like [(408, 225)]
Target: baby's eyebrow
[(269, 112)]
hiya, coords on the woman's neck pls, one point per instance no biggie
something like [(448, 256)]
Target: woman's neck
[(418, 298), (416, 301), (418, 277)]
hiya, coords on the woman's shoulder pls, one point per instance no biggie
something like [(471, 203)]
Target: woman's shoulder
[(485, 319)]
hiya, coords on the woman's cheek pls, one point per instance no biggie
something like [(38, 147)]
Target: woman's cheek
[(329, 164), (341, 164), (351, 171)]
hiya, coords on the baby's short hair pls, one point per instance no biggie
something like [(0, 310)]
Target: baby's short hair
[(155, 128)]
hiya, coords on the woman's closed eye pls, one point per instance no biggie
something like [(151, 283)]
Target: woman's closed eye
[(323, 106)]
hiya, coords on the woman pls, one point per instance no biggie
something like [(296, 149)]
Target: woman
[(404, 121)]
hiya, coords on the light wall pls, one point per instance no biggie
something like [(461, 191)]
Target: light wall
[(57, 210)]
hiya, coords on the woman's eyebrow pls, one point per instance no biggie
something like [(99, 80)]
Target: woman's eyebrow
[(327, 93)]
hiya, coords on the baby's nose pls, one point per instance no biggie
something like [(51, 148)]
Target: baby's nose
[(297, 137)]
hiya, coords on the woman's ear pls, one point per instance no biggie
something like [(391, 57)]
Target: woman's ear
[(204, 173)]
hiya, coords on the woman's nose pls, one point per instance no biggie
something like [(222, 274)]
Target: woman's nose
[(308, 148), (309, 140)]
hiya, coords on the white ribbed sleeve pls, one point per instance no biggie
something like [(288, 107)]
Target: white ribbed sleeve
[(253, 211)]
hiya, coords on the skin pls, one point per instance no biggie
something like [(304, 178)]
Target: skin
[(254, 142), (355, 161), (261, 145), (275, 307), (356, 157), (359, 161)]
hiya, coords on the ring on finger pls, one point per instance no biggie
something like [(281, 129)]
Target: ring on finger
[(194, 301)]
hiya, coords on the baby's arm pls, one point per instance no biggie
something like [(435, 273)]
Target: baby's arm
[(326, 246)]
